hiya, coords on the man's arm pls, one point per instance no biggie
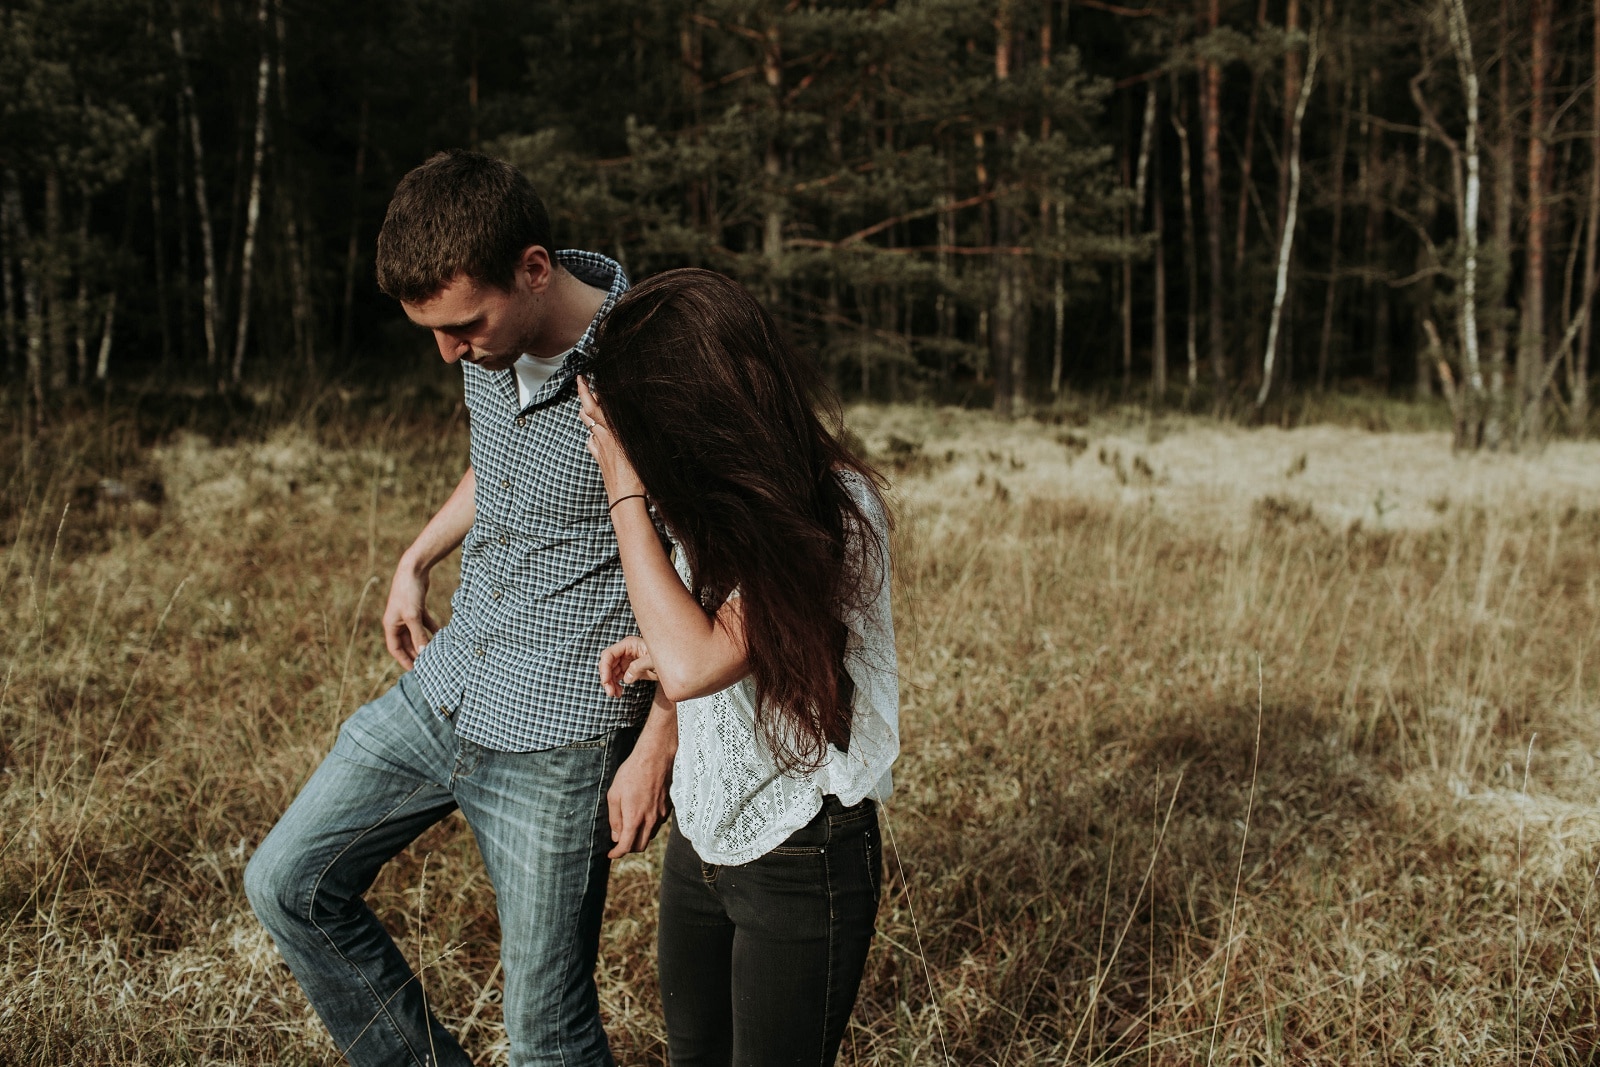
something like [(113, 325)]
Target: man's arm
[(407, 624), (638, 800)]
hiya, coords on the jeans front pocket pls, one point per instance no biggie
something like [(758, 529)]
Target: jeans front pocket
[(874, 850), (810, 840)]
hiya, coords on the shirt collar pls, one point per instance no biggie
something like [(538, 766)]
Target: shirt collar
[(602, 272), (591, 268)]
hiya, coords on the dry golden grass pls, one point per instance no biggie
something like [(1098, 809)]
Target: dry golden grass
[(1221, 746)]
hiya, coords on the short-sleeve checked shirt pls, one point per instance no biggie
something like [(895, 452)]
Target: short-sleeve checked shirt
[(541, 591)]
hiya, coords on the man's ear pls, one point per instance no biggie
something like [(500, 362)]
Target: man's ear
[(536, 265)]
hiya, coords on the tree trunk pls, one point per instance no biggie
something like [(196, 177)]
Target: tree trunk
[(50, 265), (1124, 288), (1376, 294), (353, 244), (1158, 340), (1291, 93), (8, 282), (1247, 153), (1058, 304), (1291, 210), (1578, 414), (253, 204), (1341, 147), (1211, 176), (301, 309), (943, 303), (208, 302), (1011, 312), (158, 239), (1020, 320), (1007, 354), (102, 365), (1149, 165), (865, 350), (80, 303), (1136, 223), (1007, 321), (1472, 406), (691, 48), (1531, 340), (1505, 191), (985, 369), (1191, 257), (181, 207), (1052, 219), (34, 326), (1427, 213), (32, 315), (32, 318), (772, 165)]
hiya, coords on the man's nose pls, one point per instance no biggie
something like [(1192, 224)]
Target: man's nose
[(450, 349)]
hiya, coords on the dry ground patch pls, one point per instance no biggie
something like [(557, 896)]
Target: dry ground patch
[(1220, 746)]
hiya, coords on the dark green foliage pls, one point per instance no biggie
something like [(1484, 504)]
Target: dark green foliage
[(936, 195)]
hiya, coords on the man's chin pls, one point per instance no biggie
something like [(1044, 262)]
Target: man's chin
[(493, 363)]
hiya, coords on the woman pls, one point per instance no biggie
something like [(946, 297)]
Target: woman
[(773, 637)]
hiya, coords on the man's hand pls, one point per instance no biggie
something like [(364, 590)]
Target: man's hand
[(407, 624), (624, 663), (637, 801)]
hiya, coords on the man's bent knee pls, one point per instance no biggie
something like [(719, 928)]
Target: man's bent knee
[(272, 886)]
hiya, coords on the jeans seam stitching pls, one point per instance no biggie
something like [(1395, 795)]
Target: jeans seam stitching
[(588, 876), (827, 991), (311, 900)]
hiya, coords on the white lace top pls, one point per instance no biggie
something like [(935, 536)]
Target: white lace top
[(729, 798)]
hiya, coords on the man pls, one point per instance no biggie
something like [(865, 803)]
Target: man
[(500, 714)]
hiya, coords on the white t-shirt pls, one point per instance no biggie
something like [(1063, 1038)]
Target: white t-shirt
[(729, 797), (533, 372)]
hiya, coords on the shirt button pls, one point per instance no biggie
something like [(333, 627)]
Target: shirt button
[(479, 651), (505, 483), (521, 421), (495, 593), (502, 540)]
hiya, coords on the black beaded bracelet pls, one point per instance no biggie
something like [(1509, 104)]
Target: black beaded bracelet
[(620, 499)]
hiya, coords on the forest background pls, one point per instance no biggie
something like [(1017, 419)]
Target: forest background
[(1201, 204), (1266, 743)]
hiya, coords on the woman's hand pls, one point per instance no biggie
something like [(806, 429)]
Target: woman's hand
[(618, 473), (624, 663)]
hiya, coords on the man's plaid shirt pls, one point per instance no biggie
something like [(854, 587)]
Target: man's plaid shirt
[(541, 590)]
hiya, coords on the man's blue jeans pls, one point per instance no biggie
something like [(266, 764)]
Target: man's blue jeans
[(541, 826)]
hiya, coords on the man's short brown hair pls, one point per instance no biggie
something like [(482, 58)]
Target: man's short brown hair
[(459, 213)]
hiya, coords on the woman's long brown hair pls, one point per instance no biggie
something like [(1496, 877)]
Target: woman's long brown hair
[(718, 415)]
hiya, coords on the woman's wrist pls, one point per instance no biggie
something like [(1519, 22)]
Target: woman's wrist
[(612, 507)]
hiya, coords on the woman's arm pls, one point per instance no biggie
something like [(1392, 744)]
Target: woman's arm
[(694, 654)]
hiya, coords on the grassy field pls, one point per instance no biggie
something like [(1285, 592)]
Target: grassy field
[(1221, 746)]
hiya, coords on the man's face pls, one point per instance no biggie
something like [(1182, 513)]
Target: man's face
[(482, 324)]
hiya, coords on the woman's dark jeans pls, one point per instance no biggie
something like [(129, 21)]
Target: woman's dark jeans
[(760, 962)]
